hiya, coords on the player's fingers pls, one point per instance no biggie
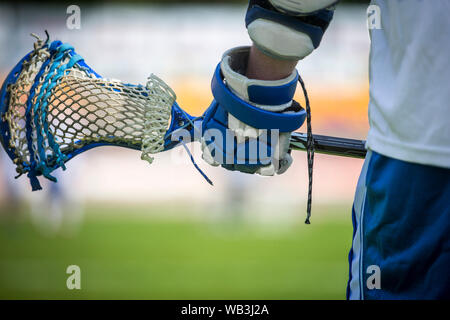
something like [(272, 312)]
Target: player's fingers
[(285, 163), (266, 170)]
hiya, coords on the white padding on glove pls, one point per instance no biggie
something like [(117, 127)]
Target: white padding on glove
[(279, 41), (299, 7)]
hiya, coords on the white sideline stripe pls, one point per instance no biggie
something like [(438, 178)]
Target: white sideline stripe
[(356, 291)]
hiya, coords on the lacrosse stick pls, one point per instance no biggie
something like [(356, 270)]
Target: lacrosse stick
[(53, 106)]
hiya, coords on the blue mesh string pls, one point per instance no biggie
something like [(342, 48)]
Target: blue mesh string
[(60, 158), (41, 166), (51, 140), (32, 174), (50, 82)]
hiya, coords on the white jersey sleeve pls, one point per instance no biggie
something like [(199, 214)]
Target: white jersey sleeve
[(409, 109)]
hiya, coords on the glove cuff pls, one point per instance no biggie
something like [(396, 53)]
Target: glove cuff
[(251, 115), (275, 96)]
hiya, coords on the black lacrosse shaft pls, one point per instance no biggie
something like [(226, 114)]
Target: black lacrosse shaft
[(330, 145)]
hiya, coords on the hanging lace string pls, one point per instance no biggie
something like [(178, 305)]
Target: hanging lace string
[(194, 163), (309, 150), (187, 149)]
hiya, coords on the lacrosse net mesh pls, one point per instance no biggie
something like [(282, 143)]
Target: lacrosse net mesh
[(59, 107)]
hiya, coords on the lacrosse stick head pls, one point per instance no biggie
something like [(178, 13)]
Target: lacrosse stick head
[(53, 106)]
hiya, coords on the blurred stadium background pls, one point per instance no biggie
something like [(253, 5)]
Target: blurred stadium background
[(159, 231)]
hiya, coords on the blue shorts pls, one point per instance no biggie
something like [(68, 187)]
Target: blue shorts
[(401, 231)]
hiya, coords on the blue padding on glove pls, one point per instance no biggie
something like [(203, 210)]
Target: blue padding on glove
[(251, 115), (313, 25), (272, 95), (246, 157)]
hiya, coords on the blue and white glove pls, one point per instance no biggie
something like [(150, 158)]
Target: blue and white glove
[(249, 123), (288, 29)]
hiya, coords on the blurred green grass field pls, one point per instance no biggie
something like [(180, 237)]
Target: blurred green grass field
[(141, 258)]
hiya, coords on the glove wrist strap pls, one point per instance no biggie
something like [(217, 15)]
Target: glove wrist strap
[(254, 116)]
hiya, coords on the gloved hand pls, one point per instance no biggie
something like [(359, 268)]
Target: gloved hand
[(249, 123)]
